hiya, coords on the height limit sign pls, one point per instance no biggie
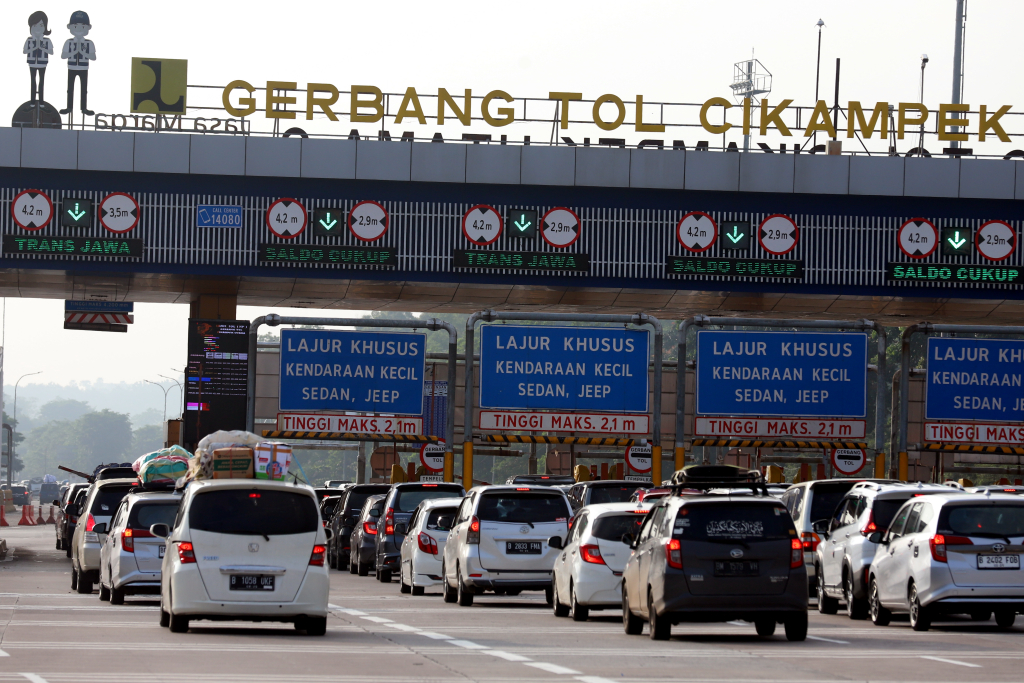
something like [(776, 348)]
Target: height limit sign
[(697, 231)]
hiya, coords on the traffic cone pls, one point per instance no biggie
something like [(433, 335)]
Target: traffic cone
[(3, 520), (51, 519), (39, 516), (26, 517)]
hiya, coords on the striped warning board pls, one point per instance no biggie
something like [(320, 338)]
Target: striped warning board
[(969, 448), (349, 436), (99, 318), (582, 440), (758, 443)]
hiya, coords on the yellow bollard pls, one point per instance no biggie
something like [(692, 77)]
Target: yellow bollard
[(904, 467), (467, 465), (680, 457), (656, 465), (880, 472), (449, 467)]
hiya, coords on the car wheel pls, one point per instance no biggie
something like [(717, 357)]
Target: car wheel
[(314, 626), (84, 587), (178, 623), (1005, 618), (826, 605), (104, 593), (856, 608), (352, 569), (631, 624), (920, 619), (549, 596), (74, 579), (659, 628), (361, 568), (464, 597), (447, 592), (384, 576), (116, 596), (67, 549), (59, 547), (165, 618), (981, 616), (417, 590), (557, 607), (796, 627), (577, 611), (880, 616), (403, 587), (765, 626)]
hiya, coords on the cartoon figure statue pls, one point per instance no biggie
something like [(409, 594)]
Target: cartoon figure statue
[(78, 50), (38, 48)]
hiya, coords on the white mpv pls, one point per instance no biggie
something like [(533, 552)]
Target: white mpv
[(243, 549), (426, 533)]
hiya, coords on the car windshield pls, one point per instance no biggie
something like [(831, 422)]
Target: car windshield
[(611, 494), (998, 521), (146, 515), (613, 527), (825, 499), (253, 512), (356, 499), (446, 515), (406, 499), (522, 507), (107, 499), (883, 511), (733, 522)]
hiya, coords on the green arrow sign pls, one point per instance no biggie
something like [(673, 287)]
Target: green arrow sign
[(957, 241), (736, 235), (331, 224), (76, 213), (522, 223)]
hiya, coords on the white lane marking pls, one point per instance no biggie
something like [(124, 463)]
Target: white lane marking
[(507, 656), (829, 640), (435, 636), (552, 668), (951, 661), (468, 644), (35, 678), (351, 612), (593, 679), (3, 654), (378, 620), (405, 627), (738, 623)]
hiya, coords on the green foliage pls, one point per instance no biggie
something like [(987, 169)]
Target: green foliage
[(147, 439), (81, 444), (63, 409)]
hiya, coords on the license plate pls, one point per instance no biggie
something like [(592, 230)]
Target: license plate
[(998, 561), (162, 550), (522, 547), (251, 582), (740, 568)]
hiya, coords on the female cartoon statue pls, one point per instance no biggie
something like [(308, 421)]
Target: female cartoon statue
[(38, 48)]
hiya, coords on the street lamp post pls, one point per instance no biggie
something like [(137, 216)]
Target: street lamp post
[(817, 75), (920, 146), (10, 449), (179, 389), (165, 390)]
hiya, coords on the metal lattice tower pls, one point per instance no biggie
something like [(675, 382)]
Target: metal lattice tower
[(750, 80)]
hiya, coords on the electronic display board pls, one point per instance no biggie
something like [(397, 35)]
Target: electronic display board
[(215, 377)]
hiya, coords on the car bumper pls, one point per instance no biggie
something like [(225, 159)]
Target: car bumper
[(527, 581), (952, 594), (89, 557), (189, 597), (676, 600), (597, 585), (135, 581), (389, 561)]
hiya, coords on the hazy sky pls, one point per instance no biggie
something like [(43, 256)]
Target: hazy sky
[(679, 51)]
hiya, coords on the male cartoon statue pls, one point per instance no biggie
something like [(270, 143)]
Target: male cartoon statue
[(38, 48), (78, 50)]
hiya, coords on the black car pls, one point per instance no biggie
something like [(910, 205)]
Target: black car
[(601, 491), (541, 480), (67, 515), (363, 540), (21, 494), (345, 518), (708, 557), (327, 507), (398, 508)]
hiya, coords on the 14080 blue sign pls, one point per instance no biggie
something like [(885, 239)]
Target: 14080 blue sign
[(781, 374), (373, 372), (563, 368), (975, 379)]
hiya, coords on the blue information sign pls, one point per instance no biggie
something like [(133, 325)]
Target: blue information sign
[(782, 374), (563, 368), (218, 216), (975, 379), (372, 372)]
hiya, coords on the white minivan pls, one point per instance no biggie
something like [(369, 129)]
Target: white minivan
[(245, 549)]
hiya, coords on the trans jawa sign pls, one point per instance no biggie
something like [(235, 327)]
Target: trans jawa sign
[(366, 105)]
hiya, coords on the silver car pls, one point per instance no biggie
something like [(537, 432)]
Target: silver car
[(130, 555), (950, 554), (97, 509)]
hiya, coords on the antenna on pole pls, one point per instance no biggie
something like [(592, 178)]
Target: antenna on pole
[(750, 80)]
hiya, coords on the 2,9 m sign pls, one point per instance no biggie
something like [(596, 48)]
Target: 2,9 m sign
[(596, 423)]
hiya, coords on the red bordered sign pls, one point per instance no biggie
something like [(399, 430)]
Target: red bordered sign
[(917, 238), (778, 234), (119, 212), (31, 210), (368, 221), (560, 227), (995, 240), (482, 225), (286, 218), (849, 461), (639, 458), (697, 231), (432, 456)]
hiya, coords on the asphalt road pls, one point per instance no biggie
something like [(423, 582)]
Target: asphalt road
[(50, 634)]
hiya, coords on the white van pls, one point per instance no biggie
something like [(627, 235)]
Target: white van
[(243, 549)]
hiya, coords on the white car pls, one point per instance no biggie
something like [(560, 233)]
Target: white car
[(588, 572), (425, 535), (97, 509), (130, 555), (950, 554), (245, 549), (500, 541)]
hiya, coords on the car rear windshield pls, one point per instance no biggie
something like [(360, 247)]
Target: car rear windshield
[(825, 498), (107, 499), (613, 527), (733, 522), (18, 489), (521, 507), (329, 506), (547, 480), (441, 513), (253, 512), (407, 498), (997, 521), (145, 515), (357, 498), (620, 493)]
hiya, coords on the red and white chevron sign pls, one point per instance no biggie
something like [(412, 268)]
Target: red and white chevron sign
[(109, 318)]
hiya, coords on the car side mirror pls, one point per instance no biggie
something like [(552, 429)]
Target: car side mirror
[(445, 523), (820, 527), (876, 537), (328, 533), (160, 530), (56, 502), (401, 528), (375, 513), (556, 542), (100, 528)]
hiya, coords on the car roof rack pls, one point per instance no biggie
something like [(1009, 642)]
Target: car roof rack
[(167, 485), (706, 477)]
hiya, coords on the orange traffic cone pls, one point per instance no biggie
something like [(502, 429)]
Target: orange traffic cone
[(39, 516), (26, 517), (3, 520), (51, 519)]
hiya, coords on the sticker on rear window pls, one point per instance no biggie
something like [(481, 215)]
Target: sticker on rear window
[(777, 512), (735, 527), (682, 523)]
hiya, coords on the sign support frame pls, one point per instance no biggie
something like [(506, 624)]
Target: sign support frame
[(638, 319), (699, 321), (432, 324)]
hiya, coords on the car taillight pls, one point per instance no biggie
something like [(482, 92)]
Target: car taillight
[(316, 559), (473, 535), (796, 555), (427, 543), (370, 528), (870, 527), (389, 521), (591, 553), (186, 554), (127, 541), (938, 544), (674, 553), (73, 520), (90, 522), (810, 541), (523, 489)]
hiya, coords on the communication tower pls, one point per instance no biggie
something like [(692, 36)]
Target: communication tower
[(750, 81)]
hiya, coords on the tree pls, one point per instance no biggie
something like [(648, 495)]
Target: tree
[(19, 464), (63, 409), (147, 439)]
